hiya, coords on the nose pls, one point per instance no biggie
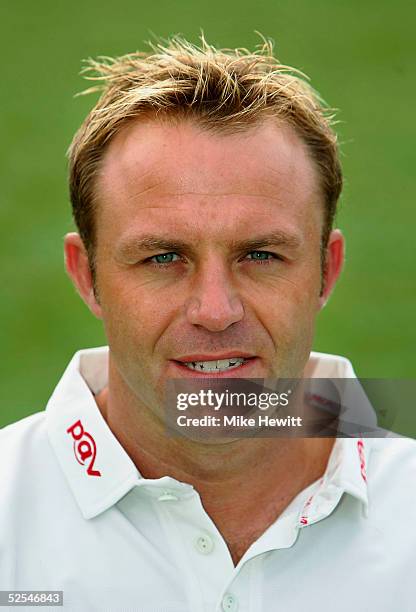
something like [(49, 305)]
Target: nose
[(214, 302)]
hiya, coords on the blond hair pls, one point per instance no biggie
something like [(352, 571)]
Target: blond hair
[(223, 89)]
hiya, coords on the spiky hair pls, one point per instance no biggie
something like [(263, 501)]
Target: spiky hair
[(223, 89)]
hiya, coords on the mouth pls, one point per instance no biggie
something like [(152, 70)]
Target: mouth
[(204, 366)]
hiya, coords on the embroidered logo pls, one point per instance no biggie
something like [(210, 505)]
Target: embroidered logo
[(85, 449), (360, 447), (304, 517)]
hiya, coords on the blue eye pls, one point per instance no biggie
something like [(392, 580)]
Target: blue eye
[(261, 256), (164, 258)]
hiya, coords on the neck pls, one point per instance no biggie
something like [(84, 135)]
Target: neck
[(230, 477)]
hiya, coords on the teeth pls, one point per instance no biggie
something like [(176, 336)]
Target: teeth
[(219, 365)]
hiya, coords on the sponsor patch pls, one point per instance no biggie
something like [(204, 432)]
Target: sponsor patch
[(360, 447), (85, 448)]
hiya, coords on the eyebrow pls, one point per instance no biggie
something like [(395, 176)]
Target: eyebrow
[(277, 238), (151, 243)]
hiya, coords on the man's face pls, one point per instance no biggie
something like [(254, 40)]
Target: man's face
[(208, 248)]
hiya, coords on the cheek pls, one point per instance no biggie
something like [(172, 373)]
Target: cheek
[(134, 317), (294, 291), (286, 320), (288, 310)]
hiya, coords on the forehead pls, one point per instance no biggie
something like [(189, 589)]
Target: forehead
[(157, 168)]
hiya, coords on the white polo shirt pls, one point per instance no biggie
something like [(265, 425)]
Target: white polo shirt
[(77, 516)]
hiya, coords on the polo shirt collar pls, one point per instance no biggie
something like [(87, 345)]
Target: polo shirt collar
[(347, 465), (345, 473), (97, 468), (100, 472)]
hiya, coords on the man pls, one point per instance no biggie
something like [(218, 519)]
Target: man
[(204, 185)]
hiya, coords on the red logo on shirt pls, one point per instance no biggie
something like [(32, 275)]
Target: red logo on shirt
[(304, 517), (85, 449), (360, 447)]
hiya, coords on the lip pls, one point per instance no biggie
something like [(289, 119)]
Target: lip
[(205, 357), (245, 370)]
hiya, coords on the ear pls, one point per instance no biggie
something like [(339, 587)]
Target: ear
[(334, 262), (78, 268)]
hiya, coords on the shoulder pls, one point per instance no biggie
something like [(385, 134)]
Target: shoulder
[(26, 458), (392, 459), (391, 488), (21, 437)]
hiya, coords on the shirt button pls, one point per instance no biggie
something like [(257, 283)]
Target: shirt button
[(167, 496), (229, 603), (204, 544)]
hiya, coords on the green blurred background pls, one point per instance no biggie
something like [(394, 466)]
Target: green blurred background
[(359, 55)]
